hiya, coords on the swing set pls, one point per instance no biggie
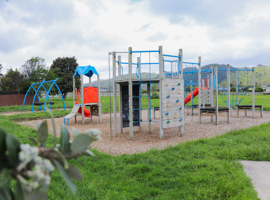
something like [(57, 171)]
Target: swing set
[(44, 85)]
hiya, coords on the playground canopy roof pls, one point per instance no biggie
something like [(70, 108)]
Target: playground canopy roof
[(85, 70)]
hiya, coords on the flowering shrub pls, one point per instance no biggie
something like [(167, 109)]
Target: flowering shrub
[(31, 166)]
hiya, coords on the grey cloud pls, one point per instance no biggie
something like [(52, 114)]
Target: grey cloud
[(13, 39), (144, 27), (157, 37), (37, 13), (205, 12)]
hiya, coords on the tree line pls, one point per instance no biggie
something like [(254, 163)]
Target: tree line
[(35, 70)]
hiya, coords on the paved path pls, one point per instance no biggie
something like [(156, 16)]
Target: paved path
[(259, 172)]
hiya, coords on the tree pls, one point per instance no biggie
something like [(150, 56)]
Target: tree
[(1, 67), (64, 68), (12, 81), (34, 70)]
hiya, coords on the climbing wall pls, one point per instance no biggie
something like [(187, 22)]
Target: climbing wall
[(172, 103), (206, 96)]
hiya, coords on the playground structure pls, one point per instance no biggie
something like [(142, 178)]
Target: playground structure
[(90, 96), (44, 85), (204, 91), (171, 90), (206, 95)]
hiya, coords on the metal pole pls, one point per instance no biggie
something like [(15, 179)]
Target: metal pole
[(110, 93), (120, 95), (82, 98), (182, 82), (216, 106), (199, 85), (228, 92), (212, 91), (114, 95), (161, 75), (130, 94), (253, 92)]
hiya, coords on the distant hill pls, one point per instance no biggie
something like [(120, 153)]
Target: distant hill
[(104, 83), (262, 76)]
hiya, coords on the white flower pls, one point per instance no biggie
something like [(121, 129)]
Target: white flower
[(47, 180), (38, 160), (25, 147), (34, 185), (48, 165), (22, 156), (34, 151)]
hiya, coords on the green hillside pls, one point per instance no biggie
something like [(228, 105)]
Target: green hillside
[(262, 77)]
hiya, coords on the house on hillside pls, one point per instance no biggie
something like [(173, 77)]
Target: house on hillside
[(266, 89)]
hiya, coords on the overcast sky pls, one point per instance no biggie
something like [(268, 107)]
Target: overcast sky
[(235, 32)]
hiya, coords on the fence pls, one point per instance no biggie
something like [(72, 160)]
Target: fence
[(247, 93), (15, 98)]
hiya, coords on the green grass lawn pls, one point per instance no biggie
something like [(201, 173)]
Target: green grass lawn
[(105, 102), (201, 169)]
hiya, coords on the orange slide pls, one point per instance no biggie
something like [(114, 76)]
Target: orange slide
[(87, 113), (188, 97), (195, 93)]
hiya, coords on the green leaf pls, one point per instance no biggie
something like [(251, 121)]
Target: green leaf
[(13, 147), (38, 125), (5, 179), (42, 133), (33, 140), (3, 146), (65, 176), (64, 139), (5, 194), (90, 152), (80, 143), (74, 172), (36, 195), (54, 128), (19, 194), (62, 157), (75, 131)]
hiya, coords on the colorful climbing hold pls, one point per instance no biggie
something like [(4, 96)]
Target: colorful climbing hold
[(177, 101), (168, 122), (167, 113), (168, 96), (173, 88)]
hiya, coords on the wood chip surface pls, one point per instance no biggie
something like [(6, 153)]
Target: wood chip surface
[(144, 141)]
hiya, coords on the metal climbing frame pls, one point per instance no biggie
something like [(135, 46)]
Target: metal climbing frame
[(173, 85)]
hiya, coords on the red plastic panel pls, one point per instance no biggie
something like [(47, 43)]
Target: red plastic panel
[(90, 95)]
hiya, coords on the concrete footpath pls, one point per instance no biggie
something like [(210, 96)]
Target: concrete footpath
[(259, 172)]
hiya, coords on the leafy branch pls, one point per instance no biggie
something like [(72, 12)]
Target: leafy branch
[(31, 166)]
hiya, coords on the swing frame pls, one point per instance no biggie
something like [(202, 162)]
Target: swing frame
[(41, 85)]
